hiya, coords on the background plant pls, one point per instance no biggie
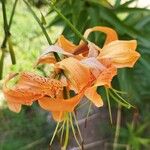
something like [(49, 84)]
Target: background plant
[(128, 20)]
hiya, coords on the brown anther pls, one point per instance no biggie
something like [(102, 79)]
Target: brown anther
[(82, 48)]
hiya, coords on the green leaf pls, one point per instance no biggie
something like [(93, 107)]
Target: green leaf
[(143, 22), (126, 83), (117, 3), (144, 141), (129, 10), (43, 20), (104, 3), (112, 19), (127, 3)]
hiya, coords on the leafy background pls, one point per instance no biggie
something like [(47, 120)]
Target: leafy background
[(31, 129)]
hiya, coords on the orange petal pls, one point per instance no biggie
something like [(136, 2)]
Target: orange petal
[(64, 105), (95, 66), (121, 53), (47, 56), (106, 77), (58, 116), (29, 88), (111, 34), (92, 95), (47, 59), (19, 94), (46, 86), (57, 49), (87, 50), (93, 50), (78, 74), (14, 107), (66, 44)]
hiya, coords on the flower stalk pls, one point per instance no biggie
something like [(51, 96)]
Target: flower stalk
[(118, 124), (68, 22), (7, 35), (43, 29)]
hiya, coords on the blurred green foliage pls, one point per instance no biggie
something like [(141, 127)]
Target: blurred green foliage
[(126, 18), (27, 130)]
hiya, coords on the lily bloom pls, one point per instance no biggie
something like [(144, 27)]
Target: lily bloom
[(121, 53), (79, 77), (103, 62), (30, 87), (48, 92), (86, 66)]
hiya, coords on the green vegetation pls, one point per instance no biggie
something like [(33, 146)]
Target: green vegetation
[(30, 128)]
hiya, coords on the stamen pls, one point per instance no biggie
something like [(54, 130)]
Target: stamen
[(81, 48)]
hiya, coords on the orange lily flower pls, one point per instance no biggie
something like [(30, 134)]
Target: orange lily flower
[(29, 88), (80, 77), (121, 53), (48, 92), (87, 67), (101, 61)]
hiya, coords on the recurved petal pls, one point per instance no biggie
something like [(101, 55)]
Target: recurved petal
[(106, 77), (78, 74), (93, 96), (46, 86), (121, 53), (19, 94), (15, 107), (66, 44), (93, 50), (57, 49), (46, 59), (30, 88), (110, 33), (58, 116), (60, 105)]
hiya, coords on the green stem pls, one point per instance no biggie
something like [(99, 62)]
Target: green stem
[(6, 29), (7, 35), (39, 22), (73, 130), (67, 134), (77, 126), (118, 124), (109, 106), (43, 29), (60, 129), (2, 64), (12, 13), (90, 105), (116, 99), (117, 91), (68, 23), (54, 134), (62, 132), (11, 51), (3, 46), (122, 98)]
